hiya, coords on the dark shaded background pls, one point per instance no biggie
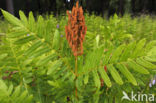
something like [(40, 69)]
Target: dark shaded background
[(99, 7)]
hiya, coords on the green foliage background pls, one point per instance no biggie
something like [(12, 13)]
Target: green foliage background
[(37, 66)]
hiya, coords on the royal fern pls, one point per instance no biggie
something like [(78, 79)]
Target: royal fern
[(44, 64), (11, 95)]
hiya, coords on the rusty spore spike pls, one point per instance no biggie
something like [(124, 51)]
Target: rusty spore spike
[(76, 30)]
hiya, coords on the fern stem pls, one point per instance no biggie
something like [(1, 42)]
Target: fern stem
[(39, 92), (76, 76)]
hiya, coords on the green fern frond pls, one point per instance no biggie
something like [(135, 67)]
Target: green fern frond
[(125, 58), (13, 95)]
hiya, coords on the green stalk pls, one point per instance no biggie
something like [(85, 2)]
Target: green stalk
[(76, 76)]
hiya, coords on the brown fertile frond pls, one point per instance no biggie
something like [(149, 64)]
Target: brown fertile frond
[(76, 30)]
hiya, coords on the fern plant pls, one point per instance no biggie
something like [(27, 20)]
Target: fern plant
[(8, 95), (37, 59)]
